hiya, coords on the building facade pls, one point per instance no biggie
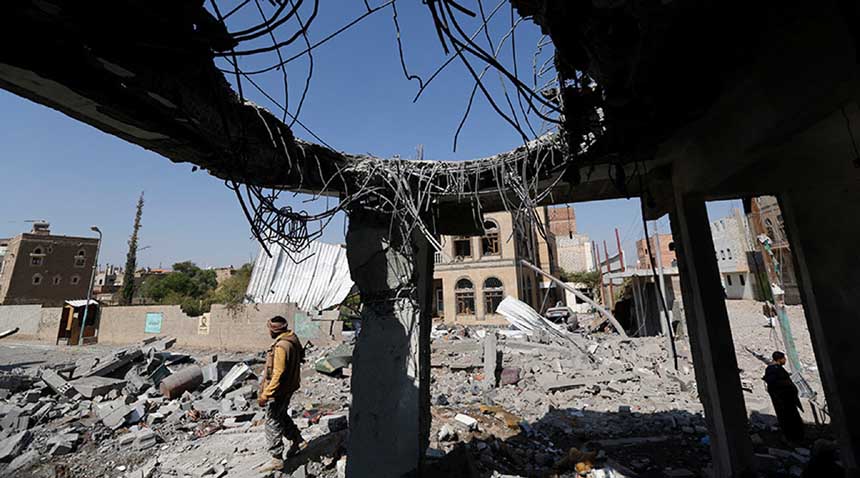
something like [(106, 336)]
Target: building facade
[(473, 274), (667, 255), (766, 218), (40, 268), (732, 246)]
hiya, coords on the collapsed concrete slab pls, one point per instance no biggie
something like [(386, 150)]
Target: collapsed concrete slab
[(95, 386)]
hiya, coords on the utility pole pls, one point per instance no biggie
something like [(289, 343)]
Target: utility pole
[(667, 316), (90, 287)]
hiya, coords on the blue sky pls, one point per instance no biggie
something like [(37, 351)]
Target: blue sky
[(72, 175)]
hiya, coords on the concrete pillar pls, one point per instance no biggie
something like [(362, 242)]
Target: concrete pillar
[(823, 228), (390, 412), (713, 350)]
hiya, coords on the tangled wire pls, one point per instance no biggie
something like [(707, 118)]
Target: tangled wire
[(409, 190)]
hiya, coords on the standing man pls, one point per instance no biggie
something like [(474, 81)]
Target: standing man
[(783, 394), (281, 379)]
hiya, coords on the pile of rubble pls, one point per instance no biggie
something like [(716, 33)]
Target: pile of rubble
[(515, 404), (121, 406)]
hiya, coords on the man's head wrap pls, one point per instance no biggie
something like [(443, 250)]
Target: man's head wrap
[(278, 325)]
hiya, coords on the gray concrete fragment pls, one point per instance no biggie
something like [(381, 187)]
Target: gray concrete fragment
[(22, 462), (335, 422), (588, 381), (58, 384), (10, 447), (492, 362), (95, 386)]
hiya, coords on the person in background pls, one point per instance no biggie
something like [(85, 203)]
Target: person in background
[(783, 394), (281, 378)]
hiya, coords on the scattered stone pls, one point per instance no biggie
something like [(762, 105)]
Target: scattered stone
[(447, 433), (469, 422), (10, 447), (335, 422), (95, 386), (510, 376)]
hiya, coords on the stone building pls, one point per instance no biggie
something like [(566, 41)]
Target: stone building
[(40, 268), (573, 250), (473, 274)]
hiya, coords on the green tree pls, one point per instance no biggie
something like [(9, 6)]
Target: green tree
[(128, 284), (187, 286), (232, 290), (590, 279)]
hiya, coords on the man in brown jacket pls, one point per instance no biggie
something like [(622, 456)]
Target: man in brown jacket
[(281, 379)]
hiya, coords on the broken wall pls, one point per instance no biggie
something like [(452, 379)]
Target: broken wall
[(25, 317), (240, 327)]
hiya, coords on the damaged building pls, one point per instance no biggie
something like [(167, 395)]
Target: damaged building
[(697, 101)]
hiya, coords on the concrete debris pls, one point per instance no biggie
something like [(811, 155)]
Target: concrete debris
[(552, 403), (335, 361), (10, 447), (96, 386)]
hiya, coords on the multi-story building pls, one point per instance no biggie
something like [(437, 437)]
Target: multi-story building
[(473, 274), (40, 268), (667, 255), (574, 251), (766, 218), (732, 245)]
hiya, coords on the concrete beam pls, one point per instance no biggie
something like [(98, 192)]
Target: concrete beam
[(390, 412), (713, 350), (821, 232)]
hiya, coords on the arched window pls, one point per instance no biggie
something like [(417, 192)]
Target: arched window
[(37, 257), (57, 279), (37, 279), (490, 241), (76, 280), (464, 292), (493, 294)]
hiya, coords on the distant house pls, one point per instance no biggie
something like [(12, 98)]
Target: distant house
[(473, 274), (41, 268)]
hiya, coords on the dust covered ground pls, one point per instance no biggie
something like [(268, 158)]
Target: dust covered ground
[(554, 411)]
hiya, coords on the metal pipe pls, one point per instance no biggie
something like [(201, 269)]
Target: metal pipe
[(90, 287), (579, 294)]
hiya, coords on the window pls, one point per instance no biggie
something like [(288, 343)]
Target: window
[(463, 247), (440, 301), (464, 292), (37, 279), (76, 280), (57, 279), (490, 241), (729, 253), (80, 258), (743, 281), (729, 280), (493, 294), (37, 257)]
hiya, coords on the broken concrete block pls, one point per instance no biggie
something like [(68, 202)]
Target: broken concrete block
[(95, 386), (118, 416), (335, 422), (10, 447), (336, 360), (248, 392), (114, 362), (210, 373), (22, 462), (158, 345), (469, 422), (63, 443), (510, 376), (447, 433), (147, 470), (145, 438), (58, 384)]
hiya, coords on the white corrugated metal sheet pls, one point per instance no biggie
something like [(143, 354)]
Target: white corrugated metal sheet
[(315, 279), (80, 302)]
